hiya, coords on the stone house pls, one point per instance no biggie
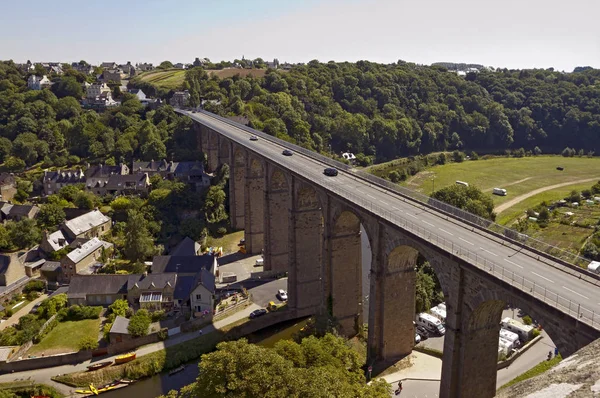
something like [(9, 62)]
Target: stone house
[(184, 264), (53, 181), (190, 172), (95, 90), (112, 75), (153, 292), (53, 242), (180, 99), (83, 257), (97, 176), (128, 69), (119, 330), (11, 212), (202, 295), (89, 225), (108, 65), (99, 289), (129, 184), (144, 66)]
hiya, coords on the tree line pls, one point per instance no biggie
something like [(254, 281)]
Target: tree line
[(400, 109)]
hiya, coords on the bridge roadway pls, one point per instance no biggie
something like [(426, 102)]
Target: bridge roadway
[(513, 264)]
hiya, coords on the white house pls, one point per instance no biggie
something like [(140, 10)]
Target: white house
[(37, 83), (202, 296)]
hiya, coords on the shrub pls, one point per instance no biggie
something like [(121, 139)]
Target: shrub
[(536, 333), (34, 286), (88, 343), (474, 155), (221, 230), (157, 315), (458, 156), (527, 320), (139, 323), (537, 151), (79, 313)]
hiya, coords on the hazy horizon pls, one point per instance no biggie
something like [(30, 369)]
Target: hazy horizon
[(514, 34)]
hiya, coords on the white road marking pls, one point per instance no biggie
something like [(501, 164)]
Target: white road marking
[(515, 264), (573, 291), (443, 230), (371, 196), (543, 277), (428, 223), (492, 253), (395, 208), (385, 203), (412, 215), (466, 241)]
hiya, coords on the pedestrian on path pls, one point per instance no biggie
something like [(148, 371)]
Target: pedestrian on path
[(399, 390)]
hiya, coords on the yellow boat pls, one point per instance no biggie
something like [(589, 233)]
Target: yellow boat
[(125, 358)]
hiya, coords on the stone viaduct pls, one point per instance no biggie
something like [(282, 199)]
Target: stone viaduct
[(314, 234)]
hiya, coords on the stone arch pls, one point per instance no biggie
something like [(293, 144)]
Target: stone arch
[(224, 149), (278, 181), (239, 157), (256, 168), (307, 198)]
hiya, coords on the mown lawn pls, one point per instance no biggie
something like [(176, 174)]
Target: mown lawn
[(539, 171), (536, 370), (228, 242), (65, 337)]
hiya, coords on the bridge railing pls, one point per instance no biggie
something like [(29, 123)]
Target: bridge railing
[(460, 214), (528, 286)]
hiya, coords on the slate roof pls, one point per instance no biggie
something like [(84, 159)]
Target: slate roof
[(187, 283), (102, 170), (151, 166), (86, 249), (19, 211), (118, 181), (64, 176), (57, 240), (98, 284), (181, 264), (187, 247), (50, 266), (85, 222), (120, 325), (4, 263), (144, 282)]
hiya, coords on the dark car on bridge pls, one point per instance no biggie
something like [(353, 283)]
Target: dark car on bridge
[(287, 152), (253, 138), (257, 313), (330, 171)]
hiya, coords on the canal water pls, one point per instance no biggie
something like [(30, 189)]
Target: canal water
[(163, 383)]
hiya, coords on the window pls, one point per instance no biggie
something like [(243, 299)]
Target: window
[(198, 297)]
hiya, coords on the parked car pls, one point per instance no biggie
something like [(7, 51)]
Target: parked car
[(417, 338), (257, 313), (330, 171), (282, 294), (253, 138), (422, 332), (287, 152)]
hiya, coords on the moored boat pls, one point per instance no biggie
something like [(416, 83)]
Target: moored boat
[(177, 370), (124, 358), (99, 365)]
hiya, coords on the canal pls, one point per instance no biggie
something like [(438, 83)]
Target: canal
[(163, 383)]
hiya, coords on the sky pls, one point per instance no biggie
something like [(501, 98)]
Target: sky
[(508, 33)]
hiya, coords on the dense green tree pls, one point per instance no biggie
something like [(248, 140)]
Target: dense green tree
[(24, 233), (214, 205), (139, 323), (50, 216), (67, 87), (468, 198), (138, 242)]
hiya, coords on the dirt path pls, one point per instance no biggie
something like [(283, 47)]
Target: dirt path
[(514, 201), (509, 184)]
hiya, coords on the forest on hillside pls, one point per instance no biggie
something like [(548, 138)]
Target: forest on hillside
[(402, 109)]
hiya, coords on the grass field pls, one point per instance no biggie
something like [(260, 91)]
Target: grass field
[(170, 78), (173, 78), (65, 337), (516, 211), (229, 242)]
